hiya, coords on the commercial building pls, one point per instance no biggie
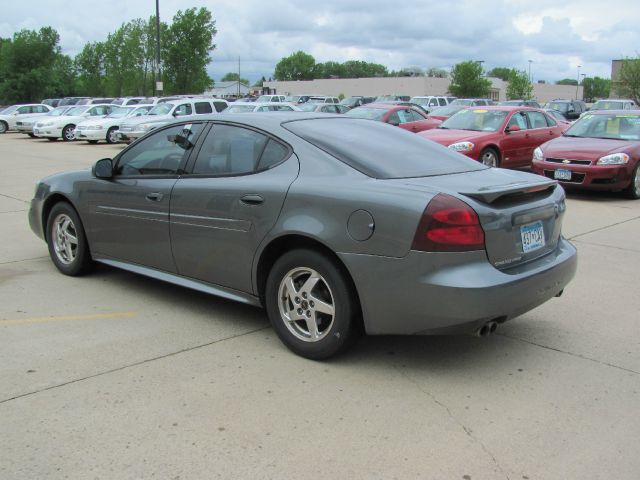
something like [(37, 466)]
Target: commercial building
[(228, 89), (412, 86)]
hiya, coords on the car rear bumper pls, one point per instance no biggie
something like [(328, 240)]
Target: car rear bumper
[(590, 177), (437, 293)]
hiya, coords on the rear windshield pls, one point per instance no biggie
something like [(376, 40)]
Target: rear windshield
[(380, 150)]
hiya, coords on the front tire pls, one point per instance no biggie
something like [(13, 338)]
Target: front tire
[(311, 304), (68, 133), (111, 135), (490, 158), (67, 242), (3, 127), (633, 190), (31, 135)]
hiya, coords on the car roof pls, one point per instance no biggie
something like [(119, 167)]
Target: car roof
[(634, 113), (507, 108)]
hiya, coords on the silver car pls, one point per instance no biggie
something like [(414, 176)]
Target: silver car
[(334, 225)]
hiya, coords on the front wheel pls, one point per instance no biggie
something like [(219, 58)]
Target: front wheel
[(67, 243), (68, 133), (111, 135), (3, 127), (311, 304), (489, 157), (633, 190)]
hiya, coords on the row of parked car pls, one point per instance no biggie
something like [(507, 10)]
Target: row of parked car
[(511, 135)]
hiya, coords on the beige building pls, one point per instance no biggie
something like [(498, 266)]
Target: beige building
[(412, 86)]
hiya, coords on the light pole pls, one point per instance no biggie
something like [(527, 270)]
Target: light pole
[(578, 85), (530, 62), (582, 75), (159, 86)]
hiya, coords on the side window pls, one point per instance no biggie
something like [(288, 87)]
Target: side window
[(273, 154), (157, 154), (203, 107), (627, 106), (40, 109), (326, 109), (433, 102), (184, 109), (394, 119), (551, 122), (536, 119), (285, 108), (519, 120), (415, 116), (220, 106), (25, 109), (442, 102), (229, 150), (275, 99)]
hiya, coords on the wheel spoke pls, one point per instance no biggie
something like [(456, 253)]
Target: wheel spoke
[(310, 283), (312, 326), (322, 307), (291, 289), (72, 239)]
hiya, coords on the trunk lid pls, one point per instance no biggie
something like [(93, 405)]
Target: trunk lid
[(520, 213)]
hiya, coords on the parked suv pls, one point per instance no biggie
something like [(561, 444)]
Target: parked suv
[(323, 99), (429, 102), (521, 103), (167, 112), (615, 104), (571, 109), (271, 98)]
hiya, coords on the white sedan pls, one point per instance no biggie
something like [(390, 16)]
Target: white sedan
[(96, 129), (64, 126), (243, 107), (10, 115), (25, 124)]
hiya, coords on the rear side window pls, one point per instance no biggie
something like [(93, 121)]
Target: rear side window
[(220, 106), (537, 119), (203, 107), (550, 121), (442, 102), (273, 154), (380, 150)]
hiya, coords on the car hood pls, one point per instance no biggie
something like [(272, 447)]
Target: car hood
[(64, 119), (446, 137), (585, 148), (149, 119)]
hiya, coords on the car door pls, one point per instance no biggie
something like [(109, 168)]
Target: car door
[(222, 209), (514, 144), (539, 133), (128, 215)]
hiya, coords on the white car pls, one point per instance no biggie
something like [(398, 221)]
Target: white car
[(25, 124), (64, 126), (271, 98), (95, 129), (431, 102), (10, 115), (167, 112), (243, 107)]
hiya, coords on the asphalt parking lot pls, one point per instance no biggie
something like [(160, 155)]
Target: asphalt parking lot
[(119, 376)]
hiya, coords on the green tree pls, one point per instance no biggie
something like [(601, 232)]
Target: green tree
[(233, 77), (89, 64), (628, 80), (467, 80), (360, 69), (595, 88), (567, 81), (502, 73), (329, 69), (260, 82), (187, 51), (519, 86), (436, 72), (297, 66)]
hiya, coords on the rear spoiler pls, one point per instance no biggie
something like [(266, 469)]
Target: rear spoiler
[(491, 193)]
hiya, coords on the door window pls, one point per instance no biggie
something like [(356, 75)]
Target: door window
[(229, 150), (414, 116), (158, 154), (23, 110), (550, 121), (537, 119), (442, 102), (203, 107), (519, 120), (184, 109)]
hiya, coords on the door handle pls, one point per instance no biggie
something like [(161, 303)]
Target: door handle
[(252, 199), (155, 196)]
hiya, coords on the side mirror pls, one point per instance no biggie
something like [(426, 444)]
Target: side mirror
[(512, 128), (103, 168)]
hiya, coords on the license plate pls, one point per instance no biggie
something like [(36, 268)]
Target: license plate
[(562, 174), (532, 236)]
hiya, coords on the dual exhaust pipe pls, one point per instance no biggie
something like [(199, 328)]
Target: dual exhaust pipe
[(487, 329)]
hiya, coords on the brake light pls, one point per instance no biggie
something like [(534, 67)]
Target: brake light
[(448, 225)]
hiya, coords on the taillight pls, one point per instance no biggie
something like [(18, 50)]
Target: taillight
[(448, 225)]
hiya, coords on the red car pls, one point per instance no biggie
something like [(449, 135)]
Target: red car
[(498, 136), (409, 118), (601, 151)]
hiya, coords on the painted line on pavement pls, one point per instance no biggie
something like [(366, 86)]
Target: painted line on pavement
[(66, 318)]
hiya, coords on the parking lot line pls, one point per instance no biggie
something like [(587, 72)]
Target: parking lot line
[(64, 318)]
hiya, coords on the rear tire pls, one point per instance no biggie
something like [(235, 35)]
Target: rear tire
[(633, 190), (31, 135), (3, 127), (52, 139), (67, 242), (311, 304), (490, 158), (68, 133)]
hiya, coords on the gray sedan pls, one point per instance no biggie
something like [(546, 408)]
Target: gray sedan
[(334, 225)]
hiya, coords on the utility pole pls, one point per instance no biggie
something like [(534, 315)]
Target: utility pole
[(578, 84), (238, 76), (159, 86), (530, 62)]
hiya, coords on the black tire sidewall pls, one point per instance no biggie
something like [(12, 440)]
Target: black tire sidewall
[(6, 127), (83, 262), (343, 328), (495, 154), (630, 191), (109, 135), (64, 137)]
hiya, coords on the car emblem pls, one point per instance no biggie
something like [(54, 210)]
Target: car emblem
[(566, 161)]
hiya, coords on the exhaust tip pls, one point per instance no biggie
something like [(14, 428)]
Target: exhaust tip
[(487, 329)]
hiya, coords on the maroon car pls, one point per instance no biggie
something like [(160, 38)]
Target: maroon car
[(601, 151), (409, 118), (498, 136)]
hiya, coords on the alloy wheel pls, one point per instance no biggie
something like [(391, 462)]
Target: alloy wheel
[(65, 239), (489, 159), (306, 304)]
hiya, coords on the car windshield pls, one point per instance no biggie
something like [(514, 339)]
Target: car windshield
[(161, 109), (515, 103), (76, 111), (385, 98), (119, 112), (56, 112), (307, 107), (464, 103), (370, 113), (614, 126), (9, 110), (264, 98), (559, 106), (420, 100), (315, 100), (143, 110), (349, 101), (446, 111), (476, 119), (240, 108), (607, 105), (368, 148)]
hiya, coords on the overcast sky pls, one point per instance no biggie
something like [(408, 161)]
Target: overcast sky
[(556, 36)]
